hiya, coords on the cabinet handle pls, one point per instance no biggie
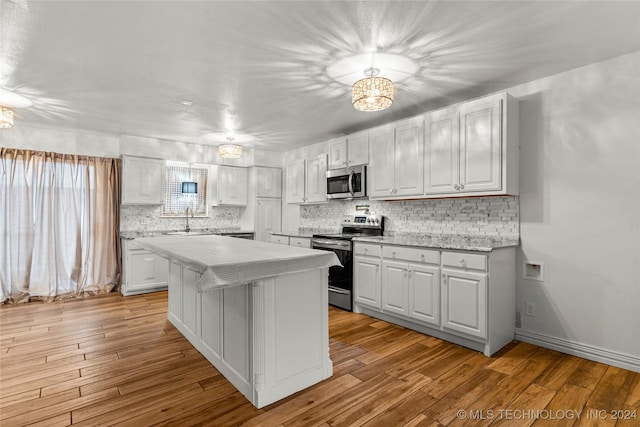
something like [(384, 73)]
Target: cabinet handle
[(456, 187), (461, 186), (395, 191), (391, 190), (393, 254), (444, 279)]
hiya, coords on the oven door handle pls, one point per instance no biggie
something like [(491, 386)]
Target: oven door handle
[(331, 243), (338, 290), (351, 176)]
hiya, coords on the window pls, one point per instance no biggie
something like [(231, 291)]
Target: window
[(175, 201)]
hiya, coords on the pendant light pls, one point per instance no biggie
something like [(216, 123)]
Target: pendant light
[(230, 151), (372, 93), (6, 118)]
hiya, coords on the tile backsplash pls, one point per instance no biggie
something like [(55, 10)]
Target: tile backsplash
[(147, 218), (481, 216)]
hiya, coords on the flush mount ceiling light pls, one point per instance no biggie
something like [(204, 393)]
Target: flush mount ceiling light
[(230, 151), (372, 93), (6, 118)]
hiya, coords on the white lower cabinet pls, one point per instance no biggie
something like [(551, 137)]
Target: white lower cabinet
[(464, 302), (366, 271), (395, 287), (424, 293), (464, 297), (142, 270), (301, 242)]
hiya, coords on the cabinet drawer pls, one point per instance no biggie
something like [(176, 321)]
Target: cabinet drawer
[(367, 249), (302, 242), (411, 254), (464, 260), (283, 240)]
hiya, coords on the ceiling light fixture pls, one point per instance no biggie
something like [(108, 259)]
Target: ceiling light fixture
[(6, 118), (372, 93), (230, 151)]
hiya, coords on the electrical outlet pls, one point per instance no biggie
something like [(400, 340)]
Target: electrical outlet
[(530, 309)]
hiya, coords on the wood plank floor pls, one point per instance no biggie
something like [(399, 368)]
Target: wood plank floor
[(113, 360)]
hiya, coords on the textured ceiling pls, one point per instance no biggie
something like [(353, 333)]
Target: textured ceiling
[(260, 67)]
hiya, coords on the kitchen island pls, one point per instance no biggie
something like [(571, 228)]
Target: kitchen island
[(256, 310)]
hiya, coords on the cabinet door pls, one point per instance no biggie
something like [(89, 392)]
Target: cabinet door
[(301, 242), (146, 271), (394, 287), (408, 157), (338, 153), (316, 179), (480, 145), (366, 286), (143, 181), (295, 182), (442, 148), (232, 186), (424, 293), (464, 302), (268, 182), (269, 216), (358, 149), (382, 166)]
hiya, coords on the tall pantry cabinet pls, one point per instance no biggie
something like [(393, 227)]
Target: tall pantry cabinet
[(263, 213)]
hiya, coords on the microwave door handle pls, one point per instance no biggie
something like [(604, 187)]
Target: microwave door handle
[(351, 176)]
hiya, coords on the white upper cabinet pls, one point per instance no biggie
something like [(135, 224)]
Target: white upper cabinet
[(268, 182), (143, 181), (480, 145), (358, 148), (316, 179), (442, 148), (349, 151), (295, 182), (408, 157), (307, 180), (228, 186), (338, 153), (396, 159), (382, 168), (472, 148)]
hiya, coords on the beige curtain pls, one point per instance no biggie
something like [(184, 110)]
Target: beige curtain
[(59, 222)]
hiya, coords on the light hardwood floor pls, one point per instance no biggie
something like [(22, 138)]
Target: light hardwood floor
[(114, 360)]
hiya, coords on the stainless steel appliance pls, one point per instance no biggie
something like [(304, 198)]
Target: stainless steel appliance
[(347, 183), (341, 278)]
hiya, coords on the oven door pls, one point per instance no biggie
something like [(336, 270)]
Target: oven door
[(340, 278), (347, 183)]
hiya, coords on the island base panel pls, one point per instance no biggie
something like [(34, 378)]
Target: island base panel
[(268, 338)]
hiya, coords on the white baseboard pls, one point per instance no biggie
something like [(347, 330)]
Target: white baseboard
[(596, 354)]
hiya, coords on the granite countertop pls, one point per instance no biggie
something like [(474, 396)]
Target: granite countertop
[(227, 262), (135, 234), (306, 232), (445, 241)]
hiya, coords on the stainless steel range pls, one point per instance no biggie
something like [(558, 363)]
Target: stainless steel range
[(341, 278)]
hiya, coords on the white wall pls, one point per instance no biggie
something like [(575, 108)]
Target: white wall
[(90, 144), (59, 141), (580, 206)]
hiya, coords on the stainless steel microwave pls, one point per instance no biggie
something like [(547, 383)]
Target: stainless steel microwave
[(347, 183)]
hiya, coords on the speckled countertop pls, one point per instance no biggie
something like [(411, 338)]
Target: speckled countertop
[(444, 241), (306, 232), (130, 235)]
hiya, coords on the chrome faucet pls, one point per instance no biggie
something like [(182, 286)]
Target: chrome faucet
[(187, 229)]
